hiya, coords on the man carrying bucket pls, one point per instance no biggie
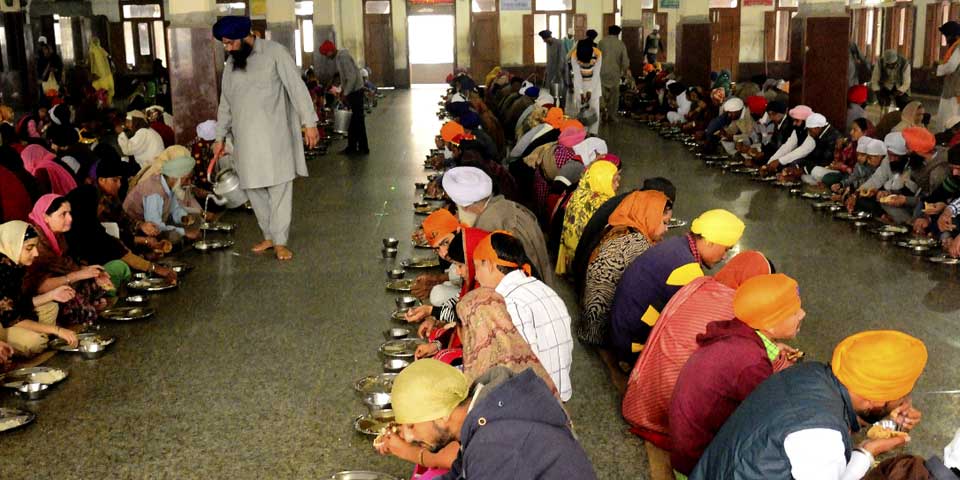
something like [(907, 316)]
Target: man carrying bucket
[(264, 103)]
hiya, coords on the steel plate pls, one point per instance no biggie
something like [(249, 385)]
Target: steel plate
[(218, 227), (403, 348), (381, 383), (151, 285), (126, 314), (44, 375), (61, 345), (373, 425), (361, 475), (11, 418), (210, 245), (403, 285), (421, 262)]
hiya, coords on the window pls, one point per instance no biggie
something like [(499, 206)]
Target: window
[(227, 7), (483, 6), (556, 23), (552, 5), (647, 4), (303, 35), (935, 44), (379, 7), (617, 13), (144, 34), (777, 31)]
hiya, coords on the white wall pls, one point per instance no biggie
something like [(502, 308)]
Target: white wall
[(751, 33)]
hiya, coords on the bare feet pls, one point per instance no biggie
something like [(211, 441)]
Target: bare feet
[(283, 253), (262, 246)]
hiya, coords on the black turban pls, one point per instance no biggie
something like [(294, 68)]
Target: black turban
[(232, 27)]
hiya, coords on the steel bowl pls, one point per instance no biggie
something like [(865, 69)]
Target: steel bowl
[(796, 191), (886, 235), (388, 252), (92, 350), (395, 365), (405, 301), (420, 185), (138, 299), (377, 401), (396, 273), (421, 205), (32, 391), (141, 275), (390, 242), (397, 333), (919, 250)]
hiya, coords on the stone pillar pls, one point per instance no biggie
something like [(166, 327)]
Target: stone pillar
[(282, 23), (196, 59)]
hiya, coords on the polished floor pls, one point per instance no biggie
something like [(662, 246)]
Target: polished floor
[(247, 370)]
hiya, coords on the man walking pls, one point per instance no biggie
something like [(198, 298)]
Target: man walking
[(351, 87), (555, 77), (653, 45), (948, 69), (264, 104), (616, 65)]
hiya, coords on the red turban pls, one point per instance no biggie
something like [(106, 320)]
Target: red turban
[(857, 94), (327, 47), (757, 104)]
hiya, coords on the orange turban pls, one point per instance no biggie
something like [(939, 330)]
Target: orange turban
[(919, 139), (450, 130), (766, 300), (743, 267), (879, 365), (485, 251), (554, 117), (571, 123), (439, 224), (641, 211)]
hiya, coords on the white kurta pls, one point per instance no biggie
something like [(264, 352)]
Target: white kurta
[(265, 106), (948, 106), (583, 85)]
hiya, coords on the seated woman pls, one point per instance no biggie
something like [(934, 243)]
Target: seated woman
[(563, 187), (26, 321), (637, 224), (600, 182), (546, 165), (159, 199), (54, 268), (51, 176)]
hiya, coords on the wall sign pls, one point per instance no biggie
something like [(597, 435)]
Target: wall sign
[(757, 3), (669, 3), (524, 5)]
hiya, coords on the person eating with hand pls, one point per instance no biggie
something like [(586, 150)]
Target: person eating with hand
[(437, 230), (159, 200)]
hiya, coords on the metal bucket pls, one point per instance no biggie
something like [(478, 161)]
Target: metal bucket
[(341, 121)]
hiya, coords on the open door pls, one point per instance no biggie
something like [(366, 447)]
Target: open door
[(378, 42), (484, 42), (725, 40)]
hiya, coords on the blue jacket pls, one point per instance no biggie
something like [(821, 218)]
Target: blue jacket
[(518, 430)]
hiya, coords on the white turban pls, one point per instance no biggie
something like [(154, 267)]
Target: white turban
[(467, 185), (733, 105), (895, 143), (589, 149), (951, 453), (815, 120), (863, 144), (544, 99), (876, 147), (207, 130)]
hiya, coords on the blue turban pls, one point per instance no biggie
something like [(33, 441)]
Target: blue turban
[(470, 120), (232, 27), (532, 92), (458, 108)]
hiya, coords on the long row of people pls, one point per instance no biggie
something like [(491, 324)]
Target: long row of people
[(700, 359)]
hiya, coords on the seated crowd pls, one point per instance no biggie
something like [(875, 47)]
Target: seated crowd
[(534, 199)]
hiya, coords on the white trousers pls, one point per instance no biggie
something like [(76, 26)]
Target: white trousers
[(273, 207), (948, 108), (674, 117)]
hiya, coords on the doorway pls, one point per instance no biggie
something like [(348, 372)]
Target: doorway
[(432, 45), (378, 42), (725, 39)]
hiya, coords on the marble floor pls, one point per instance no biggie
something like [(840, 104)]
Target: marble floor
[(247, 370)]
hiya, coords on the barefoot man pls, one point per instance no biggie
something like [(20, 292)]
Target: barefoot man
[(264, 104)]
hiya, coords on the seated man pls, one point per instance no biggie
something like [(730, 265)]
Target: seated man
[(158, 199), (769, 133), (536, 310), (138, 140), (734, 357), (797, 144), (886, 191), (508, 425), (720, 131), (799, 423), (891, 80), (870, 153), (756, 130), (437, 230), (811, 167), (652, 279), (472, 191), (740, 128), (942, 202)]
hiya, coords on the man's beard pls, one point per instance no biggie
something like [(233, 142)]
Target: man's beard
[(240, 56), (874, 415), (179, 191), (443, 439)]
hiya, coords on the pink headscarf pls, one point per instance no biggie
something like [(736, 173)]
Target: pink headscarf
[(800, 112), (571, 136), (36, 157), (36, 216)]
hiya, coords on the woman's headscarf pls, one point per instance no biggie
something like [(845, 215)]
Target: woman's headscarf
[(462, 248), (491, 76), (37, 217), (491, 340), (907, 117), (571, 136), (742, 267), (722, 81), (595, 187), (11, 239), (641, 211), (35, 157)]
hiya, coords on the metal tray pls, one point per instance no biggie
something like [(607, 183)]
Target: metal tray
[(211, 245), (810, 196), (403, 285), (369, 424), (852, 216), (381, 383), (44, 375), (176, 265), (676, 223), (11, 419), (61, 345), (151, 285), (218, 227), (361, 475), (403, 348), (824, 205), (126, 314), (423, 245), (421, 262), (895, 228), (944, 260), (918, 242), (745, 170)]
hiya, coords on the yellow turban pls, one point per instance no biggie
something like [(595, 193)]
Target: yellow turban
[(718, 226), (764, 301), (427, 390), (879, 365)]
